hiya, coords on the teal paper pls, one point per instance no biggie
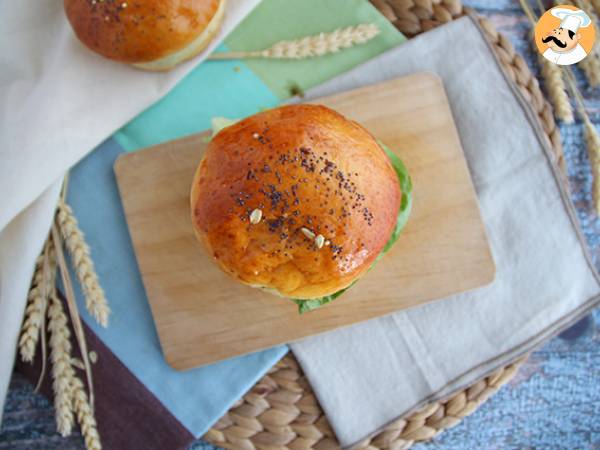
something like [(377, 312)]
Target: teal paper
[(216, 88)]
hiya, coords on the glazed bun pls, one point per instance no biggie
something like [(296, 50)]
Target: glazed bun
[(297, 200), (150, 34)]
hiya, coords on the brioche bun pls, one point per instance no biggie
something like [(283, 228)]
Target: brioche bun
[(150, 34), (309, 172)]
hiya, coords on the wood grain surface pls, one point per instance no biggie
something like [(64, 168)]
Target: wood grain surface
[(202, 315)]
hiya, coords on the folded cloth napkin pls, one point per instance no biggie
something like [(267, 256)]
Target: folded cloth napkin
[(59, 101), (544, 281)]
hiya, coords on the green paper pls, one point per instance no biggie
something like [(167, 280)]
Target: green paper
[(241, 88), (403, 214), (276, 20)]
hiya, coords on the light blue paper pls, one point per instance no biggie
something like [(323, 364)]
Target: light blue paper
[(198, 397)]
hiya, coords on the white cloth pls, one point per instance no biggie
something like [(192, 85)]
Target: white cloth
[(58, 101), (573, 56), (366, 376)]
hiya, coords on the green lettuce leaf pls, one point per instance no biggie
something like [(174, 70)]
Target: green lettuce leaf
[(403, 214), (218, 123)]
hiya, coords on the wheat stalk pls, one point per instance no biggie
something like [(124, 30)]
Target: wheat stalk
[(69, 392), (95, 301), (80, 404), (37, 301), (62, 370), (49, 276), (72, 306), (591, 68), (555, 86), (311, 46), (592, 140), (551, 73), (591, 63), (85, 416), (586, 6), (34, 314)]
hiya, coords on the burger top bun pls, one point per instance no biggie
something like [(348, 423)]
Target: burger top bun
[(297, 200), (150, 34)]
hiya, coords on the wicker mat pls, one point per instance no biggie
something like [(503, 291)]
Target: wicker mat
[(280, 411)]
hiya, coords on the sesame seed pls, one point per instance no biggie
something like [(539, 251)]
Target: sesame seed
[(309, 234), (319, 241), (255, 135), (255, 216), (124, 5)]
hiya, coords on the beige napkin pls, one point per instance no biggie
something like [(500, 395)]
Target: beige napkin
[(368, 375), (59, 101)]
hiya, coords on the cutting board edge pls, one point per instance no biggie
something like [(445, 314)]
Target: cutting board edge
[(488, 276), (182, 367)]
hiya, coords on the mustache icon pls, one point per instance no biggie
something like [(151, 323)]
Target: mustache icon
[(558, 42)]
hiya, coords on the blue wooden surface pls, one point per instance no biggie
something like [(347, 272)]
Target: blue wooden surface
[(553, 403)]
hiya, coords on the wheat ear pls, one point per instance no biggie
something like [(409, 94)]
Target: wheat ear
[(72, 308), (555, 85), (311, 46), (591, 68), (49, 274), (34, 314), (95, 301), (587, 7), (592, 140), (37, 301), (591, 63), (62, 371), (78, 400), (85, 416)]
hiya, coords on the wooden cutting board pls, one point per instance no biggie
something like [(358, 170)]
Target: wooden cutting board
[(203, 316)]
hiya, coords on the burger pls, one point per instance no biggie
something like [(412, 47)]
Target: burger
[(298, 201), (149, 34)]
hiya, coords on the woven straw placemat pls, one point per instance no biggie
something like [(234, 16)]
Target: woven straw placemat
[(281, 411)]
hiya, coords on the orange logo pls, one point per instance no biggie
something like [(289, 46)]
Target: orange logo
[(565, 35)]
